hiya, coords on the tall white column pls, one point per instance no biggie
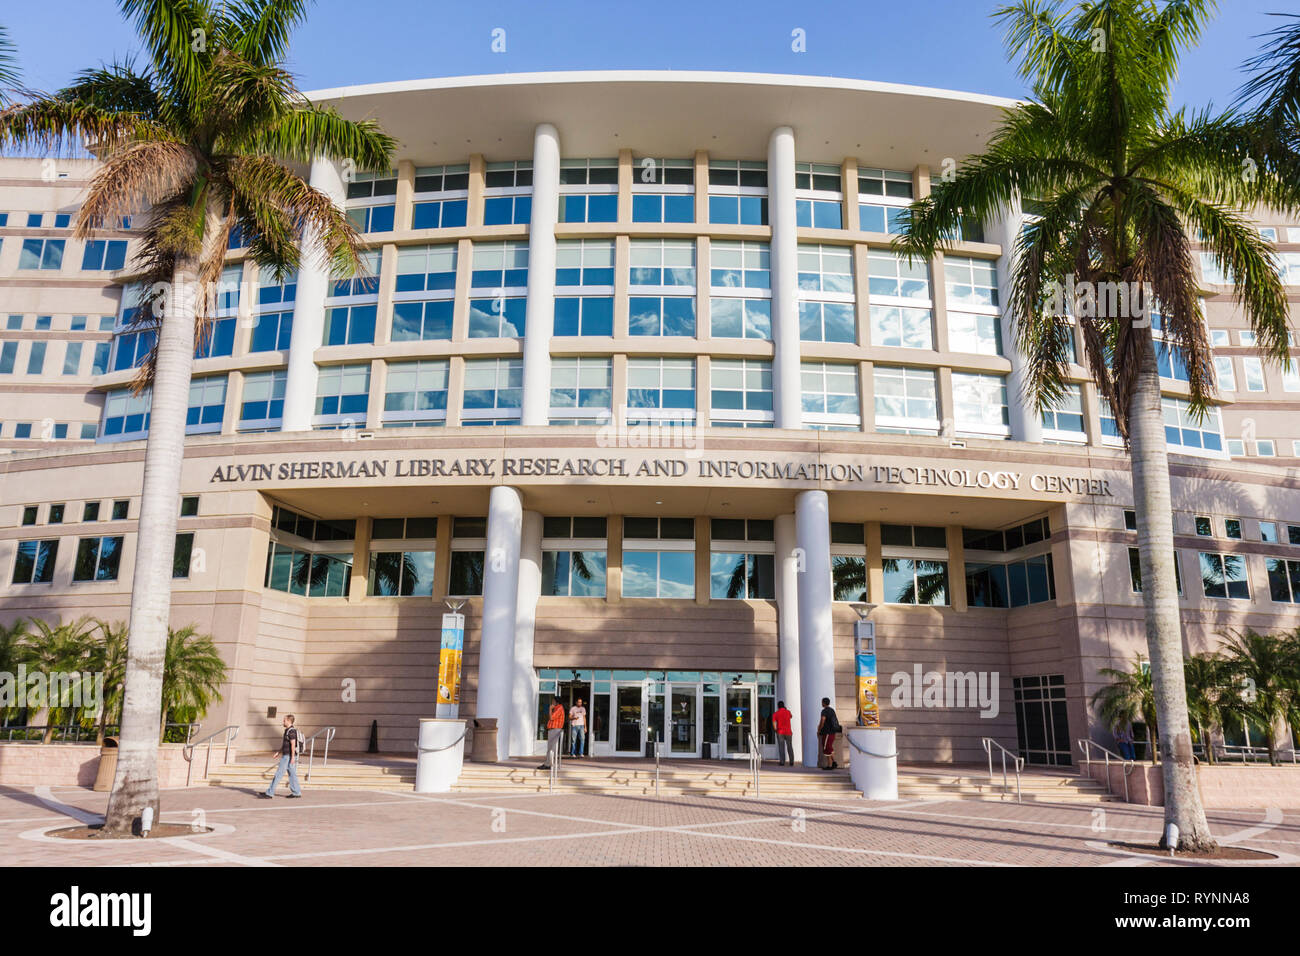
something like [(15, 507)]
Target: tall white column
[(1005, 231), (787, 400), (309, 309), (500, 602), (816, 639), (539, 316), (523, 684), (787, 622)]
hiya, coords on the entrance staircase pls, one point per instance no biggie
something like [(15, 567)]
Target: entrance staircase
[(708, 778)]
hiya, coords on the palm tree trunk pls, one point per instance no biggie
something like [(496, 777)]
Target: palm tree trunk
[(136, 783), (1154, 502)]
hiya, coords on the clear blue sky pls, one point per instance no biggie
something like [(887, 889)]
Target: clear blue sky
[(945, 43)]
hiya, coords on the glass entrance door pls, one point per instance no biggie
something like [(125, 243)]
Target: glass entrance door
[(683, 731), (738, 719), (629, 730)]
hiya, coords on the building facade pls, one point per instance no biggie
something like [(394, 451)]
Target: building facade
[(636, 377)]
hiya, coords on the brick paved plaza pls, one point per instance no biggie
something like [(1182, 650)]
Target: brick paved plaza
[(390, 828)]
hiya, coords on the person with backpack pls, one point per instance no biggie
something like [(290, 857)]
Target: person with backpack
[(290, 747), (827, 728)]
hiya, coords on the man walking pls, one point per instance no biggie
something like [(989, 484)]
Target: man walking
[(288, 761), (827, 728), (578, 729), (554, 734), (784, 733)]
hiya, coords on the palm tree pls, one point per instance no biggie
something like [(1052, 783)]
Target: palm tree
[(197, 142), (57, 651), (1259, 665), (1205, 679), (193, 672), (1129, 699), (1119, 180), (9, 76)]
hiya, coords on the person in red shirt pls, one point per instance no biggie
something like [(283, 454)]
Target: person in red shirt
[(784, 733), (554, 733)]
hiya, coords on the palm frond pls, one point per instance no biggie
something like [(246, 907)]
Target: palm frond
[(178, 35), (10, 76)]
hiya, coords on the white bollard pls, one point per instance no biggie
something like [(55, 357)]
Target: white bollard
[(873, 762), (440, 753)]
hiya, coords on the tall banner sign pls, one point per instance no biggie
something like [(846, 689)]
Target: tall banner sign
[(864, 646), (453, 644)]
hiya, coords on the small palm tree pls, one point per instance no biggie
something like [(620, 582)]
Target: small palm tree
[(11, 636), (1119, 181), (193, 673), (1205, 679), (1129, 699), (58, 651), (108, 657), (1260, 668), (196, 143)]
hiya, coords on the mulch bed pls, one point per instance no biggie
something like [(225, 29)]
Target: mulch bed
[(1221, 853), (95, 832)]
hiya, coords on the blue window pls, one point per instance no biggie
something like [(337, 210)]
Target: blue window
[(584, 315), (441, 214), (497, 318), (661, 315), (507, 210), (126, 416), (36, 359), (740, 318), (23, 430), (1183, 428), (341, 391), (738, 210), (589, 208), (426, 269), (648, 207), (350, 325), (500, 265), (8, 354), (818, 214), (272, 332), (372, 218), (102, 254), (133, 348), (100, 364), (263, 400), (42, 254), (830, 322), (414, 321), (218, 341), (207, 405), (872, 218)]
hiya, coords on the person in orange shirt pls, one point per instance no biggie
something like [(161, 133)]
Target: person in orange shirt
[(554, 733)]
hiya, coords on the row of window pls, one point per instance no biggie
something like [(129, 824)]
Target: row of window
[(663, 190), (74, 355), (76, 323), (97, 559), (741, 390), (47, 255)]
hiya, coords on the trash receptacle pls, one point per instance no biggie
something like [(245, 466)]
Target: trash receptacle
[(485, 740), (873, 762), (441, 750), (107, 766)]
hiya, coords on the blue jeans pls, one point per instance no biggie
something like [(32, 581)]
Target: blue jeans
[(577, 741), (286, 763), (1126, 749)]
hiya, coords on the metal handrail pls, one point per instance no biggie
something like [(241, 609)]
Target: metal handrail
[(231, 732), (755, 761), (1018, 763), (656, 768), (1087, 743), (1253, 751), (311, 753)]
